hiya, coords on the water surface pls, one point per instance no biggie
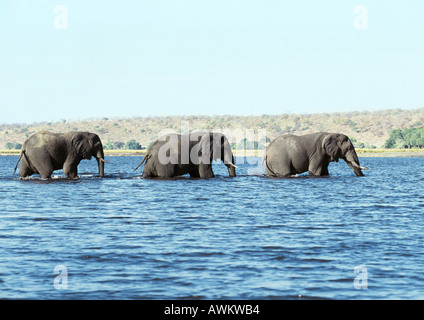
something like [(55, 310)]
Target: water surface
[(248, 237)]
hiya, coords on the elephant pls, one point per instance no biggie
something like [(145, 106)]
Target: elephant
[(289, 154), (174, 155), (44, 152)]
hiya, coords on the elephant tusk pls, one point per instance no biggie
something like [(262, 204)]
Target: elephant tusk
[(232, 165), (103, 160), (358, 166)]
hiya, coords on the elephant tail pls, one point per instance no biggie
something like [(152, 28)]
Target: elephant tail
[(144, 160), (20, 158)]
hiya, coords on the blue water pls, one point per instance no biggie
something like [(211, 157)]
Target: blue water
[(248, 237)]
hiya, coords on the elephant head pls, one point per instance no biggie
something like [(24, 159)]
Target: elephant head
[(88, 144), (214, 146), (338, 146)]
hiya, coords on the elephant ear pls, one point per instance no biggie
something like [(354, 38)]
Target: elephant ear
[(78, 141), (331, 146), (218, 145), (212, 146), (206, 148)]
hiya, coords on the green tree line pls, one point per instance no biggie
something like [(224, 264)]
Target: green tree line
[(15, 146), (406, 138), (130, 145)]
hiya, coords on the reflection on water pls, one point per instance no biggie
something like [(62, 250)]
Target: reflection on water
[(248, 237)]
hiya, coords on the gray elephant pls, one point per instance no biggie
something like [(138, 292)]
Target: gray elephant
[(174, 155), (44, 152), (289, 154)]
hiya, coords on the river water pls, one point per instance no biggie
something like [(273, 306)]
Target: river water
[(248, 237)]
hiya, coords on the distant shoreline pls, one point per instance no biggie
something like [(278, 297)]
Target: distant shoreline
[(386, 153)]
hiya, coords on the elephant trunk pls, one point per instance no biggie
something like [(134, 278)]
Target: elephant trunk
[(352, 160), (101, 162), (228, 160)]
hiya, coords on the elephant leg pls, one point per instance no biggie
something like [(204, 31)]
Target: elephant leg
[(70, 170), (42, 162), (205, 171), (148, 174), (72, 174), (324, 171), (24, 170), (279, 168), (148, 170), (194, 174), (316, 169), (165, 171), (46, 172)]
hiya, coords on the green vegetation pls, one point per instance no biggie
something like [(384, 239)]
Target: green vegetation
[(133, 145), (15, 146), (108, 146), (406, 138), (246, 144), (117, 145)]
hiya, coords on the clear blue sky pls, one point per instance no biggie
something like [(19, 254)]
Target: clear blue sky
[(180, 57)]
